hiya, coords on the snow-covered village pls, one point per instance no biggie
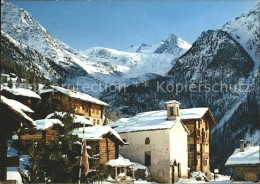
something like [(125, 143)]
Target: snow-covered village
[(93, 109)]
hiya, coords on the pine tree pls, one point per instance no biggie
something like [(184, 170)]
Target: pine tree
[(18, 82), (56, 162), (4, 80), (10, 83)]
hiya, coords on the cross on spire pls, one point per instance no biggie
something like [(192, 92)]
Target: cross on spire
[(172, 97)]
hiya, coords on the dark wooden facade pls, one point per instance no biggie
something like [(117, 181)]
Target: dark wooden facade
[(249, 172), (31, 102), (11, 121), (199, 142), (30, 136), (58, 101), (105, 149)]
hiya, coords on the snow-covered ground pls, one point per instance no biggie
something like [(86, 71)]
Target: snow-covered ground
[(219, 179), (12, 173)]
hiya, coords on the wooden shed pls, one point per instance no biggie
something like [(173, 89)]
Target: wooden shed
[(103, 142), (13, 118), (43, 132), (245, 163)]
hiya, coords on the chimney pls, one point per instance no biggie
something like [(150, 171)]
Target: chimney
[(248, 144), (242, 145)]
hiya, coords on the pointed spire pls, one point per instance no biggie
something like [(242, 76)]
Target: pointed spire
[(172, 97)]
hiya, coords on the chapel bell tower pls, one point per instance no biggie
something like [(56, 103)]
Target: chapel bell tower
[(173, 109)]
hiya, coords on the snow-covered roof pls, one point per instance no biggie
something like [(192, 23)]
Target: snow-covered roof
[(77, 118), (97, 133), (120, 162), (196, 113), (172, 101), (43, 124), (41, 91), (75, 94), (22, 92), (193, 113), (17, 104), (154, 120), (18, 108), (250, 156)]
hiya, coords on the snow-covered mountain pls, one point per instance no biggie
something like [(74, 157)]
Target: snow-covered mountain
[(245, 29), (143, 48), (129, 64), (219, 65), (95, 65), (172, 45)]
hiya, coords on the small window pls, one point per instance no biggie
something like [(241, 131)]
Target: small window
[(147, 140), (251, 177), (191, 163), (198, 132), (171, 111), (160, 173), (82, 106), (175, 111), (205, 162), (94, 120), (98, 122), (147, 158), (124, 140), (190, 147)]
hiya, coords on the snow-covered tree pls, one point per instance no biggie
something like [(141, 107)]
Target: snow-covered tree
[(59, 161)]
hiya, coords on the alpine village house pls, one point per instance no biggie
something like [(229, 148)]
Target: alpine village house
[(199, 122), (57, 98), (245, 162), (168, 141), (14, 116)]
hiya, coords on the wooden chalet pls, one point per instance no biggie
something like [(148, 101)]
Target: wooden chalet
[(103, 143), (25, 96), (199, 122), (43, 132), (245, 163), (13, 118), (55, 98)]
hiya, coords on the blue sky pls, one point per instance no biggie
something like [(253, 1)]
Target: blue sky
[(117, 24)]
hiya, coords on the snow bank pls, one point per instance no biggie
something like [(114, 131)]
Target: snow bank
[(12, 173), (77, 118), (142, 167), (249, 156)]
